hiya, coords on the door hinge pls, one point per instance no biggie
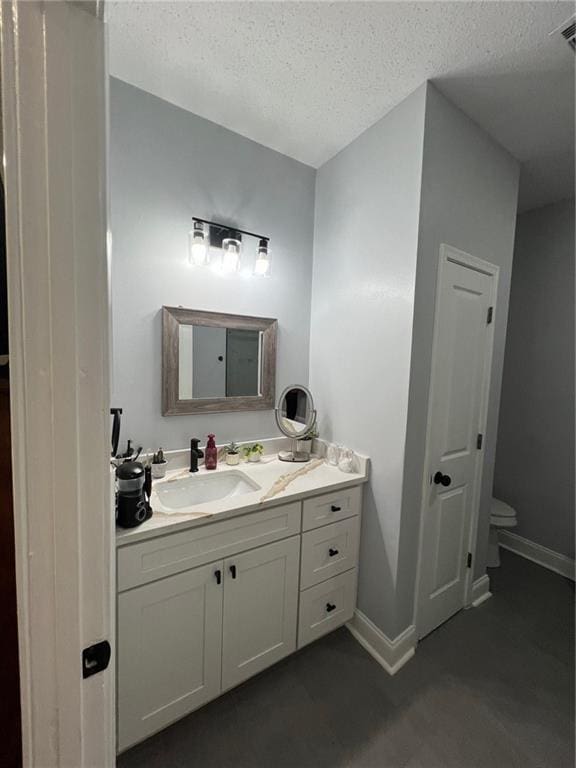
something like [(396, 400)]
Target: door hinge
[(469, 560), (489, 317), (479, 440), (95, 658)]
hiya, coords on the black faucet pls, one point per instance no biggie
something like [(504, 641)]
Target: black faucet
[(195, 454)]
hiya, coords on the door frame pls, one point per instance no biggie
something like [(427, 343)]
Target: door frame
[(54, 128), (448, 254)]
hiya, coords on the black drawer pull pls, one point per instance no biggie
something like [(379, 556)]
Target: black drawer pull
[(334, 508), (330, 607), (333, 552), (218, 575), (233, 571)]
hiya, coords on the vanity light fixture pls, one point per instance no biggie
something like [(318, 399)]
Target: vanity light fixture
[(208, 235), (197, 244)]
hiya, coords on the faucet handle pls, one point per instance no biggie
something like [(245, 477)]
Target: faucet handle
[(194, 447), (195, 454)]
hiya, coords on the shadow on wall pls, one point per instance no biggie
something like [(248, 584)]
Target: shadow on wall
[(379, 604), (536, 426), (376, 577), (549, 174)]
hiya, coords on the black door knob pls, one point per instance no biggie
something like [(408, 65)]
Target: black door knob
[(440, 479), (330, 607), (233, 571), (332, 552)]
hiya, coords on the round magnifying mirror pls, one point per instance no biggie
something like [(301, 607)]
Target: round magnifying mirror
[(295, 416)]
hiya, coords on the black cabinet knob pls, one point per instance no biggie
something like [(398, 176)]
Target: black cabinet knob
[(440, 479), (330, 607), (332, 552), (334, 508), (218, 575), (233, 571)]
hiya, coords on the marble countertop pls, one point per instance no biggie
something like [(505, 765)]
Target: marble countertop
[(320, 478)]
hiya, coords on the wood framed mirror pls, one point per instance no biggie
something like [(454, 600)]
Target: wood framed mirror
[(213, 362)]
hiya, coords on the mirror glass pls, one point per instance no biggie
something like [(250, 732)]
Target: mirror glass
[(215, 362), (295, 414), (218, 362)]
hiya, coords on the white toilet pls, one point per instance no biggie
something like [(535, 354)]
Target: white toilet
[(502, 515)]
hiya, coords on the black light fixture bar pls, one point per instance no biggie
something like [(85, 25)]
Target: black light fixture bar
[(228, 228)]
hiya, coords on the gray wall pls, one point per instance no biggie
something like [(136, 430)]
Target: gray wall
[(469, 201), (423, 175), (535, 451), (167, 165), (367, 200)]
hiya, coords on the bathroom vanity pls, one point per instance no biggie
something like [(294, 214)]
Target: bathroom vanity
[(212, 593)]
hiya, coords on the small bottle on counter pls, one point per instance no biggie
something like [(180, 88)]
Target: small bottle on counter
[(211, 453)]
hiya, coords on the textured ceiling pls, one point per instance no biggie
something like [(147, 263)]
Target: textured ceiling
[(306, 78)]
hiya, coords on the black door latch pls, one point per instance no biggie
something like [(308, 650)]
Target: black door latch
[(95, 658)]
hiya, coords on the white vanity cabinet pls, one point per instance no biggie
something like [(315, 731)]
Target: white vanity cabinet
[(202, 609)]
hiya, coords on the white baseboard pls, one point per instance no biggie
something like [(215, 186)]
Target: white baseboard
[(481, 591), (554, 561), (390, 654)]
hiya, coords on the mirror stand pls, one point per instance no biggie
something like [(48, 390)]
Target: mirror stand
[(294, 455), (295, 416)]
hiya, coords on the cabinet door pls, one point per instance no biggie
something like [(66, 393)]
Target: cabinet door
[(169, 650), (260, 609)]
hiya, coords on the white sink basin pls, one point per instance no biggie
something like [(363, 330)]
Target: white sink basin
[(194, 490)]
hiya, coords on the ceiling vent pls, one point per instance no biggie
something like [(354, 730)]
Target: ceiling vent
[(568, 31)]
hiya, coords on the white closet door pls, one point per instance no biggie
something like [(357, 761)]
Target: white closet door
[(462, 355), (260, 609), (169, 650)]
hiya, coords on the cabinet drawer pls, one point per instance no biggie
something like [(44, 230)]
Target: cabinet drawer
[(326, 606), (328, 551), (331, 507), (165, 555)]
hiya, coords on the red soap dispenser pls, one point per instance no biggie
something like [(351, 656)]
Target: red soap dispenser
[(211, 453)]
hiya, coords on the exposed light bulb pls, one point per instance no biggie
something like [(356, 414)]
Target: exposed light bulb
[(230, 259), (230, 255), (198, 254), (262, 263), (262, 267), (197, 245)]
